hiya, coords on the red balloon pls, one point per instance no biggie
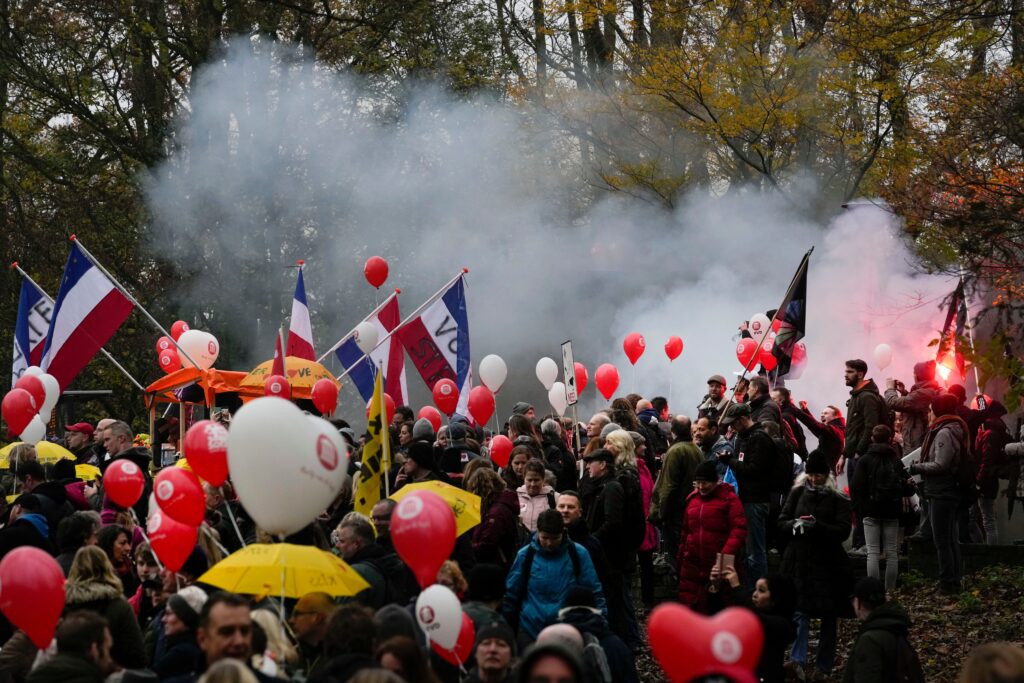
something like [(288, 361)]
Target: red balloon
[(169, 360), (277, 385), (423, 532), (607, 380), (446, 396), (581, 376), (164, 343), (389, 408), (463, 646), (765, 357), (501, 449), (18, 410), (688, 645), (34, 386), (206, 449), (481, 404), (431, 413), (179, 328), (171, 540), (32, 595), (376, 271), (123, 483), (673, 348), (745, 351), (179, 494), (634, 346), (325, 395)]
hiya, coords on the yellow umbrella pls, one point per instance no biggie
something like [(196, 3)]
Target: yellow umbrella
[(46, 453), (87, 472), (301, 373), (284, 569), (464, 504)]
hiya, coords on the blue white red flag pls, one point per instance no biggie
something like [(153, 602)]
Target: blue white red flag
[(362, 368), (300, 331), (30, 328), (437, 341), (88, 310)]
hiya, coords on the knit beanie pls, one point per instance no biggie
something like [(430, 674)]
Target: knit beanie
[(499, 630), (186, 604), (817, 463), (706, 471), (422, 453), (423, 430)]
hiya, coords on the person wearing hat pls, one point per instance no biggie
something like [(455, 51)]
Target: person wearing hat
[(873, 658), (817, 518), (525, 409), (419, 466), (550, 662), (28, 526), (495, 651), (715, 403), (712, 524), (177, 653), (78, 440), (752, 462), (457, 454)]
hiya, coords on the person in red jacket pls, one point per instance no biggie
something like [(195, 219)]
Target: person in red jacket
[(713, 522)]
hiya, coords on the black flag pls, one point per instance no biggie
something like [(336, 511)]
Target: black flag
[(792, 317)]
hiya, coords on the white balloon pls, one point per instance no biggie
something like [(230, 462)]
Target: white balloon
[(285, 468), (547, 372), (557, 398), (52, 387), (32, 370), (34, 431), (758, 326), (366, 336), (439, 614), (493, 372), (201, 346), (883, 356)]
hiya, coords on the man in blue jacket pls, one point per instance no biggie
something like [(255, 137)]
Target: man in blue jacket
[(542, 575)]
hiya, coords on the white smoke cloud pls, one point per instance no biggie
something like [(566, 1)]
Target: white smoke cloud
[(279, 161)]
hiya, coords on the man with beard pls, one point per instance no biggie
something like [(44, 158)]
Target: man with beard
[(865, 409), (716, 402), (378, 567)]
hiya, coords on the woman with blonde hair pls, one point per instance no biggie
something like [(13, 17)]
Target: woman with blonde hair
[(279, 650), (92, 585), (228, 671)]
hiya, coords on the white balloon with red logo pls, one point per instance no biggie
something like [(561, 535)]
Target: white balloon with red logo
[(286, 467), (201, 347), (439, 614)]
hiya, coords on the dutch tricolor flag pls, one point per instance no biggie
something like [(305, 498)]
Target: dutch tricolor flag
[(300, 332)]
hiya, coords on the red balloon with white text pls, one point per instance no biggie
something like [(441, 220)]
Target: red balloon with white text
[(446, 396), (206, 449), (634, 346), (123, 482), (423, 533)]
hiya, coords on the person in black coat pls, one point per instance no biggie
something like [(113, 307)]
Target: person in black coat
[(818, 518), (581, 612), (28, 527), (177, 653)]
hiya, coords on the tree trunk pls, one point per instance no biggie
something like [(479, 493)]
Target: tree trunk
[(540, 46)]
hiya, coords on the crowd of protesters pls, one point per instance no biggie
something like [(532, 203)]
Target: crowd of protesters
[(579, 516)]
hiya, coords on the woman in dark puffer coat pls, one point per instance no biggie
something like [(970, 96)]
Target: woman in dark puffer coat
[(713, 522), (495, 540), (92, 585)]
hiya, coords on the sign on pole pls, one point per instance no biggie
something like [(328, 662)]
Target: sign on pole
[(569, 369)]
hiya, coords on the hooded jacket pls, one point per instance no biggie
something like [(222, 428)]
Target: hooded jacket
[(495, 539), (721, 447), (128, 649), (589, 620), (533, 601), (378, 568), (873, 657), (711, 524), (914, 407), (530, 506), (864, 409), (860, 485), (940, 458)]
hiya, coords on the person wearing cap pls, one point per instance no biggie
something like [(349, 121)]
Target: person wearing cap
[(873, 658), (817, 519), (712, 523), (457, 454), (495, 651), (525, 409), (752, 464), (715, 403), (78, 440), (178, 652)]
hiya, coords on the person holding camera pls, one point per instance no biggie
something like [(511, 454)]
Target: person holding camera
[(913, 404)]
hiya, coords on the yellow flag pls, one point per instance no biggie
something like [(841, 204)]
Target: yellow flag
[(375, 453)]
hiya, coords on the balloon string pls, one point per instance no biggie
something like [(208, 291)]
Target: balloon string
[(205, 528), (142, 530), (231, 516)]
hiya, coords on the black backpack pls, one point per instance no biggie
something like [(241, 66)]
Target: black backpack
[(886, 483), (908, 666), (634, 520)]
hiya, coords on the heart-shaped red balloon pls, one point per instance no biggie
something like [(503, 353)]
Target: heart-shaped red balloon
[(688, 645)]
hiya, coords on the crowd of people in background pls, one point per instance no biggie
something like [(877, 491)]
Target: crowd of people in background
[(736, 498)]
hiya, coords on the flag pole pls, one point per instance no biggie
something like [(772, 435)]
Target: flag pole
[(349, 333), (970, 335), (789, 293), (385, 435), (121, 288), (106, 353), (409, 317)]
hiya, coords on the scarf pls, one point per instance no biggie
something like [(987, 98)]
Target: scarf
[(935, 427)]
